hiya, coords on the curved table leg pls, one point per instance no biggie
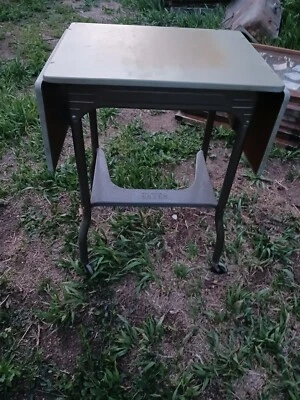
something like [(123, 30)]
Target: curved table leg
[(94, 141), (83, 248), (218, 267), (225, 191), (208, 132), (78, 141)]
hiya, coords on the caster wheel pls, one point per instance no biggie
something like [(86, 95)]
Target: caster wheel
[(89, 269), (219, 268)]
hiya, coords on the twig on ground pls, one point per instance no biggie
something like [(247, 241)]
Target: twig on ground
[(3, 301), (25, 333), (281, 185), (38, 335)]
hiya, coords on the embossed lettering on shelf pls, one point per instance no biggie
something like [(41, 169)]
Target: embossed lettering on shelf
[(154, 196)]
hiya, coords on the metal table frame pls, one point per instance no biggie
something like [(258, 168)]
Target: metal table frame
[(255, 117), (86, 99)]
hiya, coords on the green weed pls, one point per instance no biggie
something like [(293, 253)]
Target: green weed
[(181, 270), (187, 387), (192, 249), (194, 287), (9, 373), (31, 218), (62, 309), (284, 279), (239, 302), (284, 155), (230, 361), (270, 335), (106, 116), (126, 339), (225, 134), (278, 249), (134, 236)]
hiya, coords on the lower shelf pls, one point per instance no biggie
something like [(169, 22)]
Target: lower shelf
[(106, 193)]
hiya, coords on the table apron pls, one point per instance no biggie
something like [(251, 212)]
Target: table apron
[(81, 100)]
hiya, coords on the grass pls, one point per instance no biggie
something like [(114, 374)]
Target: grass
[(152, 14), (121, 333), (192, 249), (144, 5), (134, 236), (285, 155), (33, 49), (18, 106), (18, 10), (18, 366), (105, 117), (181, 270), (269, 250), (62, 309), (289, 34), (257, 339), (137, 159)]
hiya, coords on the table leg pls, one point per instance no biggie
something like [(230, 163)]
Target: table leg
[(208, 131), (225, 191), (94, 141), (78, 141)]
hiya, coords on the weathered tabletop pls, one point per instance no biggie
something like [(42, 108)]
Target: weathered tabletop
[(160, 58)]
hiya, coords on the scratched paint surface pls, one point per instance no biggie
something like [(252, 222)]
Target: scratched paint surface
[(159, 56)]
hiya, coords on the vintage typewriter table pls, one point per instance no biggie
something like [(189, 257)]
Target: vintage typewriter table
[(95, 66)]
